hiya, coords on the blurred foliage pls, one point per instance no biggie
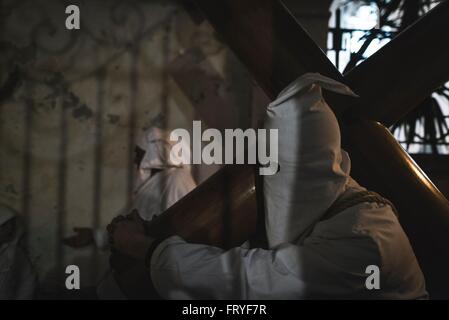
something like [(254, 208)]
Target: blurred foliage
[(395, 16)]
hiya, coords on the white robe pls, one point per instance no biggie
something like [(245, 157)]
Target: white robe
[(154, 193), (307, 258), (161, 191), (17, 276)]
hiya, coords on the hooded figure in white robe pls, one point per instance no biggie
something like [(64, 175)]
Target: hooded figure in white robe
[(160, 183), (17, 276), (309, 256)]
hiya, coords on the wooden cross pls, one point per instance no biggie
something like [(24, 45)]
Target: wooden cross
[(275, 48)]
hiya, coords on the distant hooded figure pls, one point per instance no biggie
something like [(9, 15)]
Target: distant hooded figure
[(159, 183), (17, 276), (327, 236)]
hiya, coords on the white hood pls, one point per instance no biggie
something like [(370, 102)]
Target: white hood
[(157, 145), (313, 168), (153, 194)]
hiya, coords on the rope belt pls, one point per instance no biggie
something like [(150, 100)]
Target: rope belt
[(347, 201)]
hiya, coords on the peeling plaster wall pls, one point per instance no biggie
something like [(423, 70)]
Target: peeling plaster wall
[(78, 101), (74, 102)]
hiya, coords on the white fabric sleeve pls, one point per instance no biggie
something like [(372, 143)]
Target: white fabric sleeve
[(180, 270)]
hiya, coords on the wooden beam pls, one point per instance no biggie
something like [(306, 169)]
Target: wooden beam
[(423, 210), (268, 40), (221, 211), (276, 49), (405, 71)]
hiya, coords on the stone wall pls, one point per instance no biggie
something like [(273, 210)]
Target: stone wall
[(74, 102)]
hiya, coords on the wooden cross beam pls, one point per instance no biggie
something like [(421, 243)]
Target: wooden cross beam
[(405, 71), (275, 48)]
